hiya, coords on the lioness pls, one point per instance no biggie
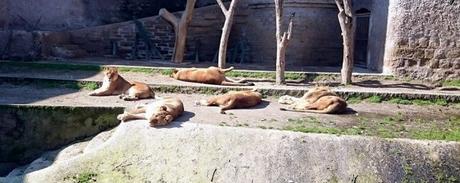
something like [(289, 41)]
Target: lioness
[(233, 100), (158, 113), (114, 84), (319, 100), (210, 75)]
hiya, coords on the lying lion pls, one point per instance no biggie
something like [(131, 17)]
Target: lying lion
[(114, 84), (317, 100), (158, 113), (233, 100), (210, 75)]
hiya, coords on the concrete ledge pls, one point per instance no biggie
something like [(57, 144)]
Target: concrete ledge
[(268, 91), (28, 131)]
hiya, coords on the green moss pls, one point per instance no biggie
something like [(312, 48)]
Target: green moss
[(265, 75), (354, 99), (397, 126), (400, 101), (85, 177), (375, 99), (451, 83)]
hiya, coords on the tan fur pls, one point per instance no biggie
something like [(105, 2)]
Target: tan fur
[(319, 100), (114, 84), (233, 100), (210, 75), (158, 113)]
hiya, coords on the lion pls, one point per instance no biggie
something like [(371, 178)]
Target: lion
[(114, 84), (210, 75), (233, 100), (158, 113), (318, 100)]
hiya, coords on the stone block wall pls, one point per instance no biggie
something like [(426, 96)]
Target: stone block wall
[(316, 34), (118, 40), (423, 40)]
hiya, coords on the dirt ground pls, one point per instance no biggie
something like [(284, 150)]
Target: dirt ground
[(265, 115)]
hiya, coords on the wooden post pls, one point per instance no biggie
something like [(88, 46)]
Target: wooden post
[(282, 40), (228, 13), (180, 29), (348, 32)]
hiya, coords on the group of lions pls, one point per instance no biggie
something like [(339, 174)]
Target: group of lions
[(164, 110)]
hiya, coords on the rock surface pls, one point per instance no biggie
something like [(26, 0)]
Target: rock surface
[(188, 152)]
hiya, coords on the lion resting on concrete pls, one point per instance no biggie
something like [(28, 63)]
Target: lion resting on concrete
[(158, 113), (317, 100), (233, 100), (114, 84), (210, 75)]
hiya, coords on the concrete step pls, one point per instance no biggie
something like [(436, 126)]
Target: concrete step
[(193, 88)]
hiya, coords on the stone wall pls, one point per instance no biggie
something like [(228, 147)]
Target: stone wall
[(118, 40), (52, 15), (423, 39), (316, 34)]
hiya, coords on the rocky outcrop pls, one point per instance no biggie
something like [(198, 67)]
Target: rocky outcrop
[(189, 152)]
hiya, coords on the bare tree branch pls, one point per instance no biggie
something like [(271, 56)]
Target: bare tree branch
[(226, 31), (171, 18), (222, 7)]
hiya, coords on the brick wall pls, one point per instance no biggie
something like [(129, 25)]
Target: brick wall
[(316, 34), (423, 40), (102, 40)]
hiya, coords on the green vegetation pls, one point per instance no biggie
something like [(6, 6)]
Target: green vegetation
[(451, 83), (354, 99), (375, 99), (85, 177), (397, 100), (398, 126), (49, 83), (166, 72)]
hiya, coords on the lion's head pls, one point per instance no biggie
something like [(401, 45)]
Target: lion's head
[(161, 117), (111, 74)]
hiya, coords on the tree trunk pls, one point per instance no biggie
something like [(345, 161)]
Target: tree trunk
[(282, 40), (348, 31), (180, 29), (225, 30)]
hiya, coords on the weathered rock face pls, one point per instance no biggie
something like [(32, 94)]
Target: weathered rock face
[(424, 39), (28, 131), (189, 152)]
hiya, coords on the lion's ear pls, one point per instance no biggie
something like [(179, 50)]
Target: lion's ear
[(175, 70), (169, 118)]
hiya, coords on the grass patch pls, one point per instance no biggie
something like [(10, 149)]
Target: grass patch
[(265, 75), (451, 83), (420, 102), (86, 177), (166, 72), (397, 126), (354, 99), (375, 99), (44, 83)]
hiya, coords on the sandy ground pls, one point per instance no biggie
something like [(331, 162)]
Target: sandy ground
[(264, 115)]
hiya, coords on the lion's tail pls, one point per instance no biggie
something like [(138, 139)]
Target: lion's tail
[(332, 109), (227, 70), (152, 92)]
